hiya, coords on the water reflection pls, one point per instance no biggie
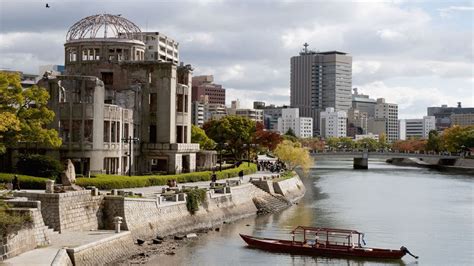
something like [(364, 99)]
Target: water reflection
[(429, 212)]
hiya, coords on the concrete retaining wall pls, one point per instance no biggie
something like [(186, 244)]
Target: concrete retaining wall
[(104, 251), (74, 211), (147, 218), (292, 189), (62, 259)]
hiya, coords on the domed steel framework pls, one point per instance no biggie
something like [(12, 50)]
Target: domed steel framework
[(111, 24)]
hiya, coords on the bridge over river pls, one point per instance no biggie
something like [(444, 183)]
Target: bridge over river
[(361, 158)]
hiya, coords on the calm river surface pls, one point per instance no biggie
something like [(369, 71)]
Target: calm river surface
[(429, 212)]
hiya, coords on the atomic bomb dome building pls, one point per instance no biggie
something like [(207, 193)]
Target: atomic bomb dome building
[(119, 109)]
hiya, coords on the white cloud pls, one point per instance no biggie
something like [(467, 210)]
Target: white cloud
[(448, 11), (412, 101)]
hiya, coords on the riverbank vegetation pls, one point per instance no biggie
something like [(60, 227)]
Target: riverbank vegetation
[(195, 197), (294, 155)]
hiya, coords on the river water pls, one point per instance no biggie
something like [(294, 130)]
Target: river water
[(429, 212)]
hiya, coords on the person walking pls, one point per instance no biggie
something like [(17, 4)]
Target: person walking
[(15, 183), (241, 175)]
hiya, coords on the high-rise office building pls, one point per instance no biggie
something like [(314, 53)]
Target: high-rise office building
[(385, 120), (320, 80), (204, 86)]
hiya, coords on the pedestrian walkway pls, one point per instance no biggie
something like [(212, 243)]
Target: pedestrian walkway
[(46, 255)]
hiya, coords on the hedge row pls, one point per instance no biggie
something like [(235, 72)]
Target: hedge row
[(26, 181), (118, 181)]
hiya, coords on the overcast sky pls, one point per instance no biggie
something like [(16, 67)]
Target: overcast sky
[(414, 53)]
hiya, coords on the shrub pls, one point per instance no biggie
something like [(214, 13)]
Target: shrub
[(39, 165), (102, 181), (11, 221), (194, 198), (26, 182)]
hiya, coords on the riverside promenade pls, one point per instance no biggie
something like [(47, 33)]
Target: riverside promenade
[(59, 243)]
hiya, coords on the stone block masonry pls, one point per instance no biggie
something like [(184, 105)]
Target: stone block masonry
[(37, 234), (146, 217), (74, 211), (103, 251)]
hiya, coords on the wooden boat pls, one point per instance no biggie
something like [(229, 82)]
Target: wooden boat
[(329, 242)]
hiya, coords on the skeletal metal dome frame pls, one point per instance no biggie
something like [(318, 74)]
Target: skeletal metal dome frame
[(88, 27)]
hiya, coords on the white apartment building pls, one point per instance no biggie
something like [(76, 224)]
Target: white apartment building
[(203, 111), (333, 123), (367, 136), (417, 128), (159, 47), (385, 120), (301, 126)]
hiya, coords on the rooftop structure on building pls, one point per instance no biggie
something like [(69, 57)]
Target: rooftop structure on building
[(111, 97), (320, 80), (443, 114), (205, 86), (363, 103)]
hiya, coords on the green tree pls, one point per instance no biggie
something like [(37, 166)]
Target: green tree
[(346, 143), (290, 132), (383, 144), (198, 135), (293, 155), (367, 143), (457, 137), (434, 141), (332, 142), (24, 114), (236, 131)]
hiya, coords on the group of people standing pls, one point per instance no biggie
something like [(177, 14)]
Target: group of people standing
[(272, 166)]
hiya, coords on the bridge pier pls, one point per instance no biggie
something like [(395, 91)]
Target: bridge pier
[(362, 163)]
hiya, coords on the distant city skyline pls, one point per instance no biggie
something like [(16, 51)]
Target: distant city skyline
[(414, 54)]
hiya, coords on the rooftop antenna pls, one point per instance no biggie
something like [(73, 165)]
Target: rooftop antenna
[(305, 47)]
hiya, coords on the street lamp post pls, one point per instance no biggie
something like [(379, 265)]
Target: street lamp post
[(221, 147), (130, 142)]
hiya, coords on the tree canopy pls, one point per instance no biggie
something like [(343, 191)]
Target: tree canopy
[(198, 135), (236, 131), (24, 114), (456, 138), (293, 155), (266, 139)]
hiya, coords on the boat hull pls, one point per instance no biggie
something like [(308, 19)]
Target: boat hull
[(285, 246)]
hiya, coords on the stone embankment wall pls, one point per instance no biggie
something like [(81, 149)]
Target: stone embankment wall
[(73, 211), (62, 259), (147, 217), (104, 251), (37, 234), (292, 188)]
